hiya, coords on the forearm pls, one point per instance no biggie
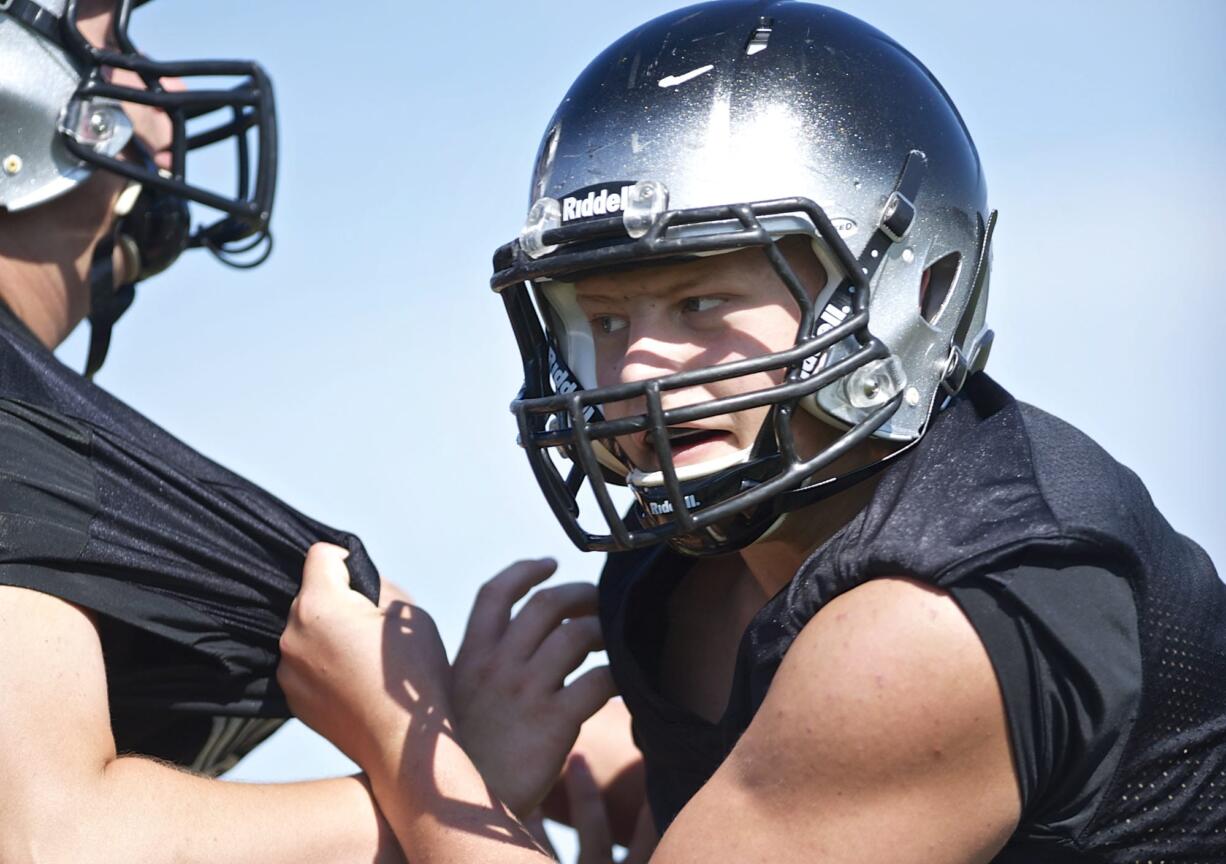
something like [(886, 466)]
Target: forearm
[(437, 803), (376, 683), (135, 809)]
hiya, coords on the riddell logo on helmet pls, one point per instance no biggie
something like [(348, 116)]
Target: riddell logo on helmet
[(595, 201), (663, 508), (563, 383)]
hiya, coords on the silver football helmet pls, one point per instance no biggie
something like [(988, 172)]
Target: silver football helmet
[(729, 125), (37, 88), (62, 116)]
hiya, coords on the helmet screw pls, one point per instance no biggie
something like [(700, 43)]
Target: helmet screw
[(871, 388), (99, 123), (12, 164), (908, 255)]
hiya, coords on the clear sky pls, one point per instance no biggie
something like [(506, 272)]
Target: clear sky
[(363, 374)]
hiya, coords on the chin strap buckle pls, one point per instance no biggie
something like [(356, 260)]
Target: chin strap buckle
[(959, 366), (897, 216), (957, 370)]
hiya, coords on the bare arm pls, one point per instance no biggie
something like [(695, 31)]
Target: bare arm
[(68, 797), (885, 726), (883, 737)]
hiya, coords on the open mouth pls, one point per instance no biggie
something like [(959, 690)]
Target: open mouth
[(690, 444)]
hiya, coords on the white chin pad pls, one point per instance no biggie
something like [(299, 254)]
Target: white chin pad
[(127, 199), (644, 479), (606, 458)]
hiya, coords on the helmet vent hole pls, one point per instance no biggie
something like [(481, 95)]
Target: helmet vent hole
[(760, 38), (935, 287)]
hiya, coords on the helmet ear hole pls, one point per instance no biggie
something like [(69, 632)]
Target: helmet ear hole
[(935, 286)]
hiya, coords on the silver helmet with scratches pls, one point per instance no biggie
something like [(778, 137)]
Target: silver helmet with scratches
[(729, 125)]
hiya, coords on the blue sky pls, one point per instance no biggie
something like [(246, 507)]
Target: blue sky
[(363, 374)]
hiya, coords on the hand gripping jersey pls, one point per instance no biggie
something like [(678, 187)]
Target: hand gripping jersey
[(190, 568), (1106, 629)]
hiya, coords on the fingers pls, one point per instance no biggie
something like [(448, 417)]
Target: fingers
[(492, 608), (587, 813), (542, 614), (324, 574), (565, 648), (584, 696), (324, 570), (645, 838)]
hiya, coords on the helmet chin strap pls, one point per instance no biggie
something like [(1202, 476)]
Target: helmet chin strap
[(108, 301), (153, 229)]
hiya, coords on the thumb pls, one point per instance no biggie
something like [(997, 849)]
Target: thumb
[(324, 569)]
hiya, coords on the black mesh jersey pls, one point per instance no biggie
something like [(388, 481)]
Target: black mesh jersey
[(1106, 629), (190, 568)]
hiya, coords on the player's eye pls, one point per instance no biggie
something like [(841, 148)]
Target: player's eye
[(701, 304), (608, 323)]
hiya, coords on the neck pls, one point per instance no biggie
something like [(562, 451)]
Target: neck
[(45, 254), (773, 561), (39, 299)]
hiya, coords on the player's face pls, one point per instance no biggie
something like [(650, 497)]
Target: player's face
[(151, 126), (655, 321)]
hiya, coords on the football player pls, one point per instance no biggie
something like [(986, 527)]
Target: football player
[(864, 605), (142, 587)]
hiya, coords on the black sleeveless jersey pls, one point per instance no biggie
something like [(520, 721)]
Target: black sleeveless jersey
[(1106, 630), (190, 568)]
